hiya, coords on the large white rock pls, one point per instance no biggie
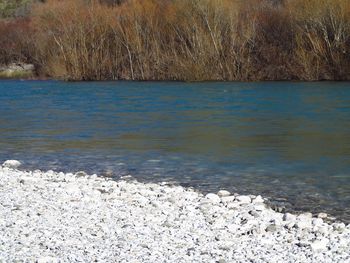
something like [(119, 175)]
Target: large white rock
[(338, 226), (244, 199), (289, 217), (319, 245), (228, 199), (258, 199), (213, 198), (12, 164), (322, 215), (259, 207), (47, 260), (317, 221), (303, 224), (223, 193), (306, 215), (304, 221)]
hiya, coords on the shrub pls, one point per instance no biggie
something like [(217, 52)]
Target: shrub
[(9, 8), (15, 41), (184, 39), (323, 38)]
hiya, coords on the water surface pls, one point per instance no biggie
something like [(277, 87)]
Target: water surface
[(287, 141)]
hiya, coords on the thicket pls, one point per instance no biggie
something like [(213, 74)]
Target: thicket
[(183, 39), (10, 8)]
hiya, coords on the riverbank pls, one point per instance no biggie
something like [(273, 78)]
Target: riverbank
[(57, 217), (17, 71)]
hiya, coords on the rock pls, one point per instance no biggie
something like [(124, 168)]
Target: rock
[(322, 229), (233, 205), (305, 215), (80, 174), (317, 221), (258, 199), (213, 198), (223, 193), (339, 227), (303, 224), (259, 207), (271, 228), (60, 217), (322, 215), (289, 225), (12, 164), (244, 199), (319, 245), (254, 213), (72, 189), (47, 260), (228, 199), (289, 217), (108, 173), (22, 70)]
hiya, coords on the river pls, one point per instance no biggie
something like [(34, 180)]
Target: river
[(284, 140)]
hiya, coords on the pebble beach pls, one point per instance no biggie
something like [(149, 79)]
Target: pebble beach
[(75, 217)]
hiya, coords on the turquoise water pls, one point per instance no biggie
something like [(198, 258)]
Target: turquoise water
[(287, 141)]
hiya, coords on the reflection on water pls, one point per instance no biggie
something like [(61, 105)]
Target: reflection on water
[(284, 140)]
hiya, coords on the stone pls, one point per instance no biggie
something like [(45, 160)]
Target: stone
[(72, 189), (89, 219), (289, 225), (339, 227), (271, 228), (47, 260), (322, 229), (305, 215), (223, 193), (17, 70), (213, 198), (259, 207), (317, 221), (322, 215), (80, 174), (258, 199), (303, 224), (233, 205), (228, 199), (254, 213), (319, 245), (289, 217), (244, 199), (12, 164)]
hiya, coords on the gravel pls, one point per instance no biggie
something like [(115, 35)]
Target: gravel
[(57, 217)]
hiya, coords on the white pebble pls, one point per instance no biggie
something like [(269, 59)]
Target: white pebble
[(319, 245), (59, 217), (322, 215), (213, 198), (228, 199), (223, 193), (244, 199), (258, 199), (12, 164)]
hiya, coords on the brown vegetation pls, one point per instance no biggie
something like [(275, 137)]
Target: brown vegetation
[(183, 39), (15, 41)]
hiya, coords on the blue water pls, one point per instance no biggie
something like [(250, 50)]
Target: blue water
[(287, 141)]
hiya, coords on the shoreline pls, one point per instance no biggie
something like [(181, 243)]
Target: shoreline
[(25, 71), (60, 217), (39, 78)]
